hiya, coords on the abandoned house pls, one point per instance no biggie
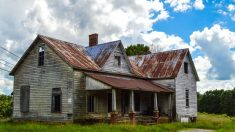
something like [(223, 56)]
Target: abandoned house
[(57, 80)]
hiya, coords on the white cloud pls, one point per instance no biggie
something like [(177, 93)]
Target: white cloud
[(216, 43), (179, 5), (231, 7), (198, 4), (206, 85), (203, 65)]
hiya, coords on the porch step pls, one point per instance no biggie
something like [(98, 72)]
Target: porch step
[(163, 119)]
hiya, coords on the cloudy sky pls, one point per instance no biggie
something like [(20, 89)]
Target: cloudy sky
[(206, 27)]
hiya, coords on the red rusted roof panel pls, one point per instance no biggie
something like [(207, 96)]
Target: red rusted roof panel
[(122, 82), (159, 65), (73, 54)]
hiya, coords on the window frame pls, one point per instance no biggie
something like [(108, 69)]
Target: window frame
[(117, 60), (187, 98), (186, 67), (24, 102), (41, 55), (56, 92)]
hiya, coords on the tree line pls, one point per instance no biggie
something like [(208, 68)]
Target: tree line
[(5, 106), (217, 102)]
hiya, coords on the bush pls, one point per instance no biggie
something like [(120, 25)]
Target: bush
[(5, 106)]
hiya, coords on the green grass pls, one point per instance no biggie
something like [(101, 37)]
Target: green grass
[(221, 123)]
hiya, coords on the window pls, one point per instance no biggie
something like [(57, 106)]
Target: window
[(90, 104), (41, 56), (186, 67), (137, 101), (117, 61), (109, 102), (24, 98), (56, 100), (187, 98)]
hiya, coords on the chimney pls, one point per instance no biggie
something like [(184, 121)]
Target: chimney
[(93, 39)]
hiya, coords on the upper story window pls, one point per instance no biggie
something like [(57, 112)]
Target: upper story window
[(41, 51), (185, 67), (117, 61), (187, 98)]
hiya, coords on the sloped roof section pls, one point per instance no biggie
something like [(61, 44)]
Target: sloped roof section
[(101, 52), (73, 54), (121, 82), (159, 65)]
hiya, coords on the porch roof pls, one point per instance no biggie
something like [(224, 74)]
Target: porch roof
[(121, 82)]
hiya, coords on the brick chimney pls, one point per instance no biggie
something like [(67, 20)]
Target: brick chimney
[(93, 39)]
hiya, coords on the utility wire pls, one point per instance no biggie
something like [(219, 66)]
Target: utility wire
[(4, 70), (6, 62), (9, 51)]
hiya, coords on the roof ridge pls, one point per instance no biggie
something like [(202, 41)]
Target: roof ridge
[(102, 44)]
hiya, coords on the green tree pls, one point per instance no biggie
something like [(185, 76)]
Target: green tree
[(138, 49), (5, 106)]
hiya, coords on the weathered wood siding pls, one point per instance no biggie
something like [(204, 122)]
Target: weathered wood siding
[(186, 82), (110, 67), (92, 84), (54, 74)]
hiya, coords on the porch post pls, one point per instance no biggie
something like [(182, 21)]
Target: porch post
[(114, 107), (170, 107), (132, 107), (156, 111)]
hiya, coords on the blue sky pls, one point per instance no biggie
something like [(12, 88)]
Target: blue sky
[(206, 27)]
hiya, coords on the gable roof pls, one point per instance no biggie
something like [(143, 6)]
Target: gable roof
[(160, 65), (101, 52)]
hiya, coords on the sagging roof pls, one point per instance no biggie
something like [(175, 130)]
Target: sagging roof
[(121, 82), (101, 52), (160, 65)]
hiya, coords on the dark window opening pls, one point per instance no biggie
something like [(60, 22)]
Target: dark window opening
[(187, 98), (117, 61), (137, 101), (24, 98), (90, 104), (56, 100), (109, 102), (41, 56), (186, 67)]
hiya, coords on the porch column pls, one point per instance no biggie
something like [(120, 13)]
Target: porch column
[(114, 107), (132, 108), (156, 111), (170, 107)]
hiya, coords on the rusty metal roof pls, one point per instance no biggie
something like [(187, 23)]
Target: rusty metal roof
[(121, 82), (73, 54), (101, 52), (159, 65)]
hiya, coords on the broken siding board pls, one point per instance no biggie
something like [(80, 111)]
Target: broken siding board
[(109, 64), (41, 79), (186, 82)]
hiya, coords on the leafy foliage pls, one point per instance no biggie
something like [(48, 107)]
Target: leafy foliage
[(5, 106), (217, 102), (138, 49)]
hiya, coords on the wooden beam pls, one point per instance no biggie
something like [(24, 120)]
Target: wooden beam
[(132, 103), (155, 102), (114, 106)]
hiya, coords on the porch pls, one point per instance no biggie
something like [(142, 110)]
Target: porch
[(121, 100)]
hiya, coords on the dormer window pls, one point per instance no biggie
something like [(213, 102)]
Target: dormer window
[(41, 56), (185, 67), (117, 61)]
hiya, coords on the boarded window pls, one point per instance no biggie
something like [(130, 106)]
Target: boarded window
[(41, 56), (56, 100), (90, 104), (186, 67), (24, 98), (117, 61), (137, 101), (187, 98)]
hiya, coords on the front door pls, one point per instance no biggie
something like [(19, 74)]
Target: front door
[(109, 102)]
